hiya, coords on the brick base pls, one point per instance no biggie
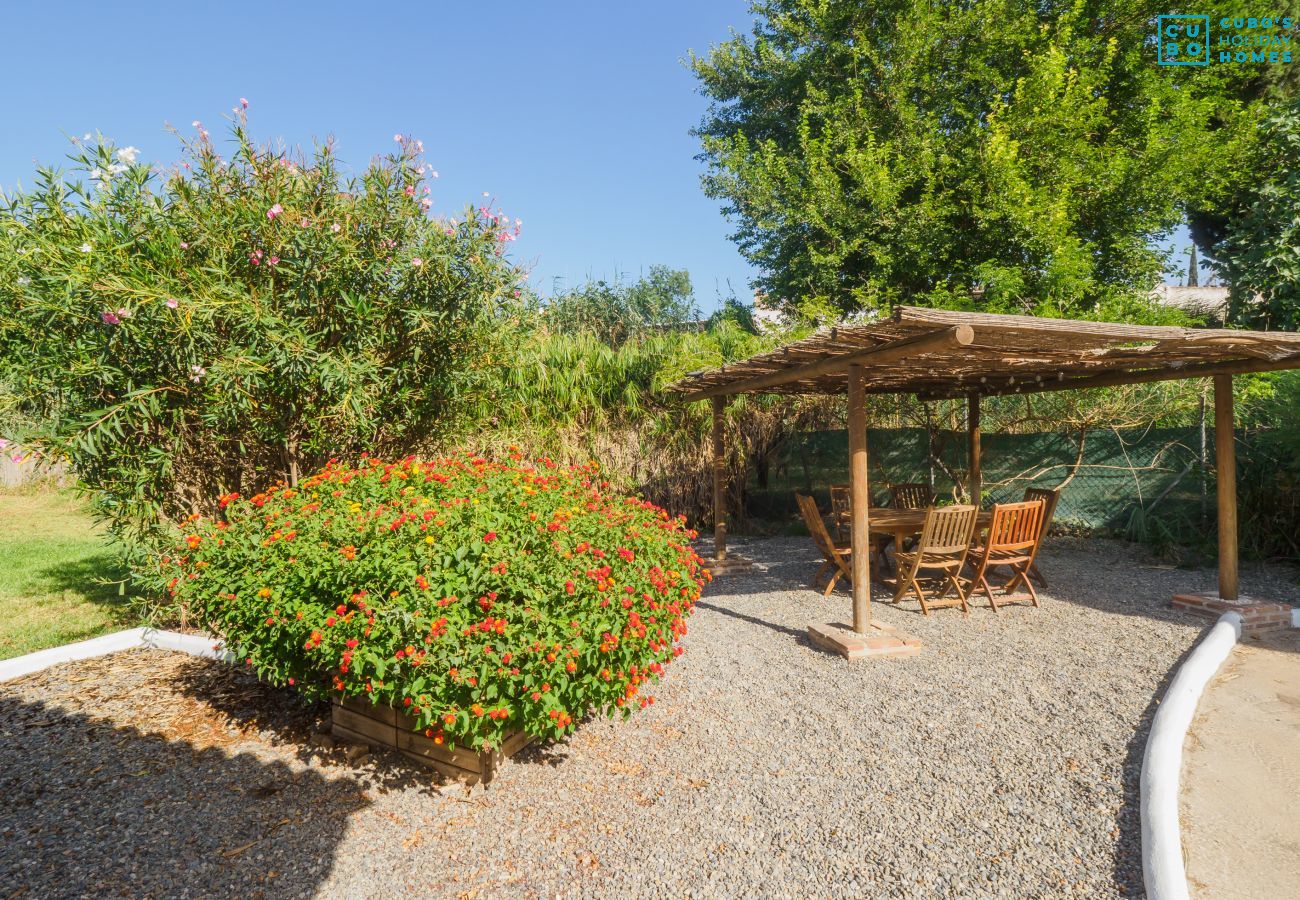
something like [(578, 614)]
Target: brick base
[(1257, 616), (880, 640)]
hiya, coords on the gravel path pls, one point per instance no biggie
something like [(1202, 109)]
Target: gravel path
[(1002, 760)]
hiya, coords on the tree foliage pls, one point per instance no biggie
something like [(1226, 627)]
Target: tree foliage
[(918, 151), (1260, 252), (214, 327), (616, 310)]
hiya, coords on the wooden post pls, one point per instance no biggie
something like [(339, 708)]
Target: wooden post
[(976, 485), (859, 497), (719, 474), (1225, 466)]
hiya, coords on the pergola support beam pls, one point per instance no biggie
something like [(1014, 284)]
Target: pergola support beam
[(1118, 379), (859, 498), (893, 351), (976, 480), (719, 476), (1225, 466)]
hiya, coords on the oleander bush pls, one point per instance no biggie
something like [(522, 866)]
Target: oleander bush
[(243, 315), (481, 598)]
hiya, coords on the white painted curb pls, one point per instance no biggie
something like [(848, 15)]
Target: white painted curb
[(1162, 847), (193, 644), (1295, 617)]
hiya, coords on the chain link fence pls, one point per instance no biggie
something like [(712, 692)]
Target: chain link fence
[(1155, 485)]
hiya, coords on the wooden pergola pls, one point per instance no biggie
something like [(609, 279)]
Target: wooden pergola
[(941, 354)]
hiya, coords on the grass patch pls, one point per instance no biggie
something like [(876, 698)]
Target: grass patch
[(53, 574)]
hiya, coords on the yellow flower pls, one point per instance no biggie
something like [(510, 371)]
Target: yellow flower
[(264, 593), (428, 539)]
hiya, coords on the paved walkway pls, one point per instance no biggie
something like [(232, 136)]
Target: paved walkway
[(1241, 776)]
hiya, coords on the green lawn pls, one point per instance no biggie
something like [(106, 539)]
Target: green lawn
[(52, 560)]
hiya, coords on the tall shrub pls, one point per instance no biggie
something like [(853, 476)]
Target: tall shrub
[(187, 332)]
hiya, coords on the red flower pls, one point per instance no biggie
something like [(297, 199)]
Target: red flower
[(489, 537)]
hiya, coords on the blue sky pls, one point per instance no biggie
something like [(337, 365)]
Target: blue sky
[(574, 115)]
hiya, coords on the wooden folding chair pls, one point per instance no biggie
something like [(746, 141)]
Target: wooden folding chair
[(1049, 496), (837, 555), (1012, 541), (841, 508), (944, 543), (842, 512), (911, 496)]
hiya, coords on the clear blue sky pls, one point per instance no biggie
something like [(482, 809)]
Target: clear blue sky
[(574, 115)]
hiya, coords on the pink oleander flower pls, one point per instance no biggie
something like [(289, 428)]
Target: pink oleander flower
[(109, 318), (417, 262), (254, 260), (274, 260), (172, 303), (185, 245), (123, 312), (304, 223), (409, 190), (243, 103), (336, 228), (425, 204), (274, 211), (398, 138)]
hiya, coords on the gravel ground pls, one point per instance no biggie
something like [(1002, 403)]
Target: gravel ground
[(1002, 760)]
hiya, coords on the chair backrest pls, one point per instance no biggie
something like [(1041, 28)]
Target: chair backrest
[(947, 531), (911, 496), (840, 500), (1049, 496), (812, 517), (1015, 527)]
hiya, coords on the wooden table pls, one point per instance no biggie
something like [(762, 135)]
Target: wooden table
[(905, 523)]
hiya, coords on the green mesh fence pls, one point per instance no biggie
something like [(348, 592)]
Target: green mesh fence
[(1124, 481)]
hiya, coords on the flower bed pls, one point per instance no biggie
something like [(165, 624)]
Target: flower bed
[(478, 599)]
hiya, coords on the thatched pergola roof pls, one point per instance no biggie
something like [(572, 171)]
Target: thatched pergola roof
[(941, 353)]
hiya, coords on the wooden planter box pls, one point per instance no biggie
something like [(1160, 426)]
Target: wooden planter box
[(358, 721)]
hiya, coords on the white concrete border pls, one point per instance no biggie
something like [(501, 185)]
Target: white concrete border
[(1162, 847), (1295, 617), (193, 644)]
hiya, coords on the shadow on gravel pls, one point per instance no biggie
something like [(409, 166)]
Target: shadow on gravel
[(91, 809), (799, 636), (1103, 574), (283, 717)]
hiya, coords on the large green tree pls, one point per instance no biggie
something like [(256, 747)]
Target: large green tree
[(1259, 251), (903, 150)]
